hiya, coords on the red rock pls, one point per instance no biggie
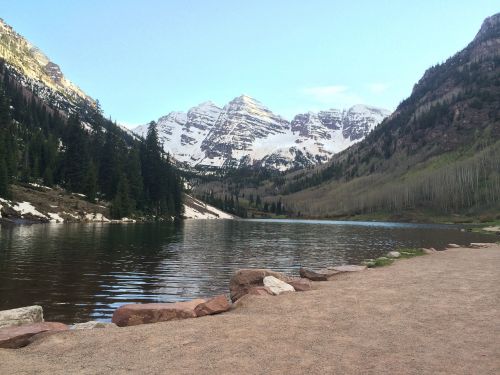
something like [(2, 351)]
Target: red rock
[(135, 314), (19, 336), (300, 284), (214, 305), (243, 280)]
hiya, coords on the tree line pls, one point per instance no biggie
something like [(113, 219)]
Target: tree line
[(90, 155)]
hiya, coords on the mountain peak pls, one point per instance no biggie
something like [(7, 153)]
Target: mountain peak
[(207, 105), (36, 71), (245, 99), (489, 28)]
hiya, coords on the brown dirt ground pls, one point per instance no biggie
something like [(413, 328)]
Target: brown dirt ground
[(435, 314)]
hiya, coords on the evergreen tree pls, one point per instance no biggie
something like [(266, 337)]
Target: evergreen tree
[(109, 171), (76, 156), (90, 189), (134, 176), (152, 168), (4, 180), (121, 205)]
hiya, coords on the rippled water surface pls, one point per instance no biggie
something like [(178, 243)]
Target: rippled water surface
[(79, 272)]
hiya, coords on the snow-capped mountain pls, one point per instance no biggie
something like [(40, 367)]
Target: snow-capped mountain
[(245, 132), (34, 70)]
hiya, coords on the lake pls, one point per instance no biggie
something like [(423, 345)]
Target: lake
[(81, 272)]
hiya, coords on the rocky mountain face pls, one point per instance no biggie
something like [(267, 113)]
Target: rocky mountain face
[(35, 72), (244, 132)]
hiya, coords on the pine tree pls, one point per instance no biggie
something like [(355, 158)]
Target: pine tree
[(76, 157), (152, 168), (110, 168), (134, 175), (4, 180), (121, 205), (90, 188)]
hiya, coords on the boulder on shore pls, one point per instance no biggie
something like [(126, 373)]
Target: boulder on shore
[(393, 254), (243, 280), (348, 268), (135, 314), (260, 291), (276, 286), (18, 336), (321, 275), (430, 250), (20, 316), (453, 246), (300, 284), (479, 245), (212, 306)]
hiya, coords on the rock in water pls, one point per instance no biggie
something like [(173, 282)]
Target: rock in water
[(93, 324), (17, 337), (214, 305), (348, 268), (277, 286), (243, 280), (20, 316), (393, 254), (135, 314), (300, 284)]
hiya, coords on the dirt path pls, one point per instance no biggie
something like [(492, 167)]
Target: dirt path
[(436, 314)]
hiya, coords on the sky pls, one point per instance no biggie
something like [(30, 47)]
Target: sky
[(144, 59)]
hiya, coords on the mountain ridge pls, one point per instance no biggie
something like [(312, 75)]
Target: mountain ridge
[(37, 73), (438, 152), (244, 132)]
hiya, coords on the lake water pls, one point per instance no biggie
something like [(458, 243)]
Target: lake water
[(81, 272)]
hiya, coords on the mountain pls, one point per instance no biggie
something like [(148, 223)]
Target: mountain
[(436, 156), (53, 136), (245, 132), (438, 153), (38, 74)]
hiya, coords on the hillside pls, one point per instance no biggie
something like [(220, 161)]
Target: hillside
[(439, 152), (437, 155), (53, 134)]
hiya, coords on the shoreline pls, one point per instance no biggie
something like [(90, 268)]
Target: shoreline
[(427, 314)]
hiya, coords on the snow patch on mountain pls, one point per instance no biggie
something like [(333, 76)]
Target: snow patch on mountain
[(196, 209)]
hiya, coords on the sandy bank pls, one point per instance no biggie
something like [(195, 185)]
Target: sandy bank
[(435, 314)]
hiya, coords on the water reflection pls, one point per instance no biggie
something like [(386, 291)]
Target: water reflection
[(79, 272)]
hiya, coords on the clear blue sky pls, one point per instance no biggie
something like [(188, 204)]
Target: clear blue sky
[(143, 59)]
